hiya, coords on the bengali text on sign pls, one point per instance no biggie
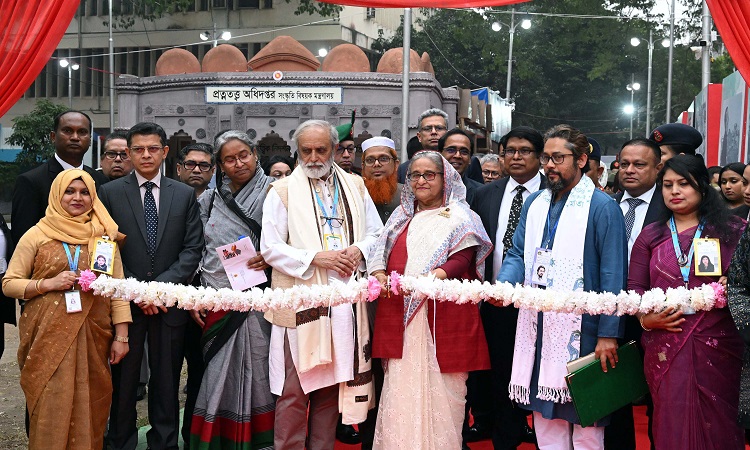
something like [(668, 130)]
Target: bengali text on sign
[(284, 95)]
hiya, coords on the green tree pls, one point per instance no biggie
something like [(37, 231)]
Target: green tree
[(565, 69), (31, 132)]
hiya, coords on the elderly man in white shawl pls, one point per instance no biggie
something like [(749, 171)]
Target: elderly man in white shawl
[(317, 225)]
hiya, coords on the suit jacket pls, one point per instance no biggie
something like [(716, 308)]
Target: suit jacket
[(656, 209), (486, 204), (179, 237), (7, 304), (31, 194)]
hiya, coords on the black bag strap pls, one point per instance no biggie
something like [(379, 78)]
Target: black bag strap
[(232, 204)]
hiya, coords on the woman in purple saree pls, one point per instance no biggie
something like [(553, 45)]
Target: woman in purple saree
[(692, 359)]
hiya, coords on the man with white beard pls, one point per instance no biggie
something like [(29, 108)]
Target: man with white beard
[(317, 225)]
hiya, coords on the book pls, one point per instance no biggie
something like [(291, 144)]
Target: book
[(597, 394), (577, 363)]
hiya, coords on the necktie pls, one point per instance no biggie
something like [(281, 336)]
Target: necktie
[(515, 214), (630, 215), (152, 219)]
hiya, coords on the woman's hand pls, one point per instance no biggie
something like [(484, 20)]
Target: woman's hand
[(257, 263), (118, 351), (723, 281), (62, 282), (669, 319), (383, 280)]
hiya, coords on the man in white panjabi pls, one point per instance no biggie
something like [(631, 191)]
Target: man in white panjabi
[(317, 225)]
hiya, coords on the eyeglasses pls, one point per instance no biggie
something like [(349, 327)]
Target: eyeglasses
[(512, 152), (232, 160), (452, 151), (557, 158), (151, 149), (191, 165), (429, 128), (113, 155), (349, 148), (333, 222), (383, 160), (428, 176), (491, 173)]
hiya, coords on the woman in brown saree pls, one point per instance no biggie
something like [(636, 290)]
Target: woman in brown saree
[(64, 356)]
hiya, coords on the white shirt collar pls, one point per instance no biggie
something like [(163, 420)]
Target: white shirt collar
[(646, 196), (141, 179), (65, 165), (531, 186)]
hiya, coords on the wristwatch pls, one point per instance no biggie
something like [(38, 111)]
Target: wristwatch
[(121, 338)]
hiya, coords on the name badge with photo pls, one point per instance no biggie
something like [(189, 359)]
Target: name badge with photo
[(540, 267), (707, 254), (73, 301), (103, 256), (333, 241)]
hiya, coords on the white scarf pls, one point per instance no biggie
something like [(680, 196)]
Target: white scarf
[(561, 337)]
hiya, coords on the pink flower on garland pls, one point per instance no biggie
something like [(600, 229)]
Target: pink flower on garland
[(373, 288), (87, 277), (395, 282), (720, 294)]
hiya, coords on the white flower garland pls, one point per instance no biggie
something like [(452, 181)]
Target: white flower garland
[(702, 298)]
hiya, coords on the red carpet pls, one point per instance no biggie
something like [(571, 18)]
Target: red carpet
[(641, 427)]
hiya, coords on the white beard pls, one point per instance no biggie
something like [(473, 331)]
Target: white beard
[(317, 171)]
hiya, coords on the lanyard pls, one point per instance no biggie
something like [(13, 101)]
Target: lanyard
[(72, 263), (335, 202), (683, 261), (551, 229)]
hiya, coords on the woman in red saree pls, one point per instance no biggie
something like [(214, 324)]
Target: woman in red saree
[(428, 347), (65, 356), (692, 359)]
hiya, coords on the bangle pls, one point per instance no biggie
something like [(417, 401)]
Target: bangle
[(121, 338), (36, 286), (640, 319)]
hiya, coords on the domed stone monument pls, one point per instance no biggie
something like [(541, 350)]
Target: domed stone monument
[(346, 58), (286, 54), (392, 61), (225, 58), (177, 61)]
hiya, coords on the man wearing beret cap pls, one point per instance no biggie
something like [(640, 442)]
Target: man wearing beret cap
[(675, 139), (344, 153), (595, 168)]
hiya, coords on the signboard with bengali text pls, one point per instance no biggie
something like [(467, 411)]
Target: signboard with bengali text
[(274, 94)]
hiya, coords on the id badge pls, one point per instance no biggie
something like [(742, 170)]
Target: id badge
[(333, 242), (540, 267), (707, 254), (73, 301), (104, 254)]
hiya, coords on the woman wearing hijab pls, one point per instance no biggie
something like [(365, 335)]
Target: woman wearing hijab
[(429, 347), (65, 349), (235, 407)]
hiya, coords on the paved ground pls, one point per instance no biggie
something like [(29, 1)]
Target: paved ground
[(12, 433)]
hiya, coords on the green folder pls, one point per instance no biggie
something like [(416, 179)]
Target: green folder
[(597, 394)]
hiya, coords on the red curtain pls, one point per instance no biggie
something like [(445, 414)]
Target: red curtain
[(424, 3), (732, 19), (31, 30)]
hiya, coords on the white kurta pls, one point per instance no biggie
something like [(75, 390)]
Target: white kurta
[(296, 263)]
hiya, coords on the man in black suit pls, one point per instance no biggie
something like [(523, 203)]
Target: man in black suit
[(498, 204), (72, 137), (457, 148), (642, 204), (7, 305), (161, 218)]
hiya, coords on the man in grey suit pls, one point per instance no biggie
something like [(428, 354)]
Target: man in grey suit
[(164, 242)]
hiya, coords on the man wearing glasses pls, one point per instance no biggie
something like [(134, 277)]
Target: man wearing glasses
[(345, 151), (162, 220), (195, 166), (114, 159), (432, 125), (456, 147), (499, 204), (578, 233), (317, 225)]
